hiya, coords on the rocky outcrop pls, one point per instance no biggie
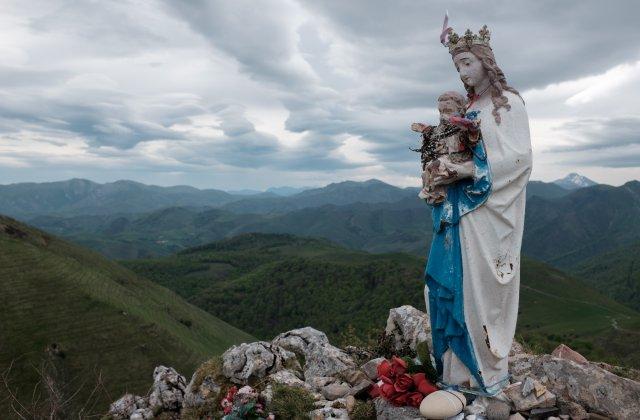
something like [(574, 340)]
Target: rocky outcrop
[(320, 357), (200, 390), (128, 405), (565, 352), (387, 411), (256, 360), (597, 390), (408, 327), (168, 390), (563, 385), (167, 394)]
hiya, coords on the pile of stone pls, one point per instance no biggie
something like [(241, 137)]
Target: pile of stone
[(563, 385), (166, 396)]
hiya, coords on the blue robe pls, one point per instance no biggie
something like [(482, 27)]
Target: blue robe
[(443, 273)]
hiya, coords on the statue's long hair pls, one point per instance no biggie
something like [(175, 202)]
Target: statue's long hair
[(496, 77)]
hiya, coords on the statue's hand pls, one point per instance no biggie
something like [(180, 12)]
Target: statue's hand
[(465, 123), (419, 127)]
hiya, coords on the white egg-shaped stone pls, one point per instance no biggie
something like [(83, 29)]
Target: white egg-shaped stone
[(442, 404)]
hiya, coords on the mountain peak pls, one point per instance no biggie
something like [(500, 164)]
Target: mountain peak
[(574, 181)]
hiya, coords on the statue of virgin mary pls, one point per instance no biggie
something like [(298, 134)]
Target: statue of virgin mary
[(473, 271)]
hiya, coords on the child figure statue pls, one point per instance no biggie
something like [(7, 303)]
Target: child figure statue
[(452, 139)]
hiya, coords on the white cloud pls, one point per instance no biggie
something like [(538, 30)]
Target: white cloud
[(232, 94)]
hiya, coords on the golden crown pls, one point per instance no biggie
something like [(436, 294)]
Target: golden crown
[(453, 40)]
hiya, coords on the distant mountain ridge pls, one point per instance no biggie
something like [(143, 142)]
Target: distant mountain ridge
[(589, 221), (561, 227), (78, 197), (574, 181)]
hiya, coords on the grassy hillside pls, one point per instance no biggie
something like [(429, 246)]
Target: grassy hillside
[(76, 316), (615, 274), (266, 284)]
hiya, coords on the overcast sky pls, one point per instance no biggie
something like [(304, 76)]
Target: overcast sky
[(252, 94)]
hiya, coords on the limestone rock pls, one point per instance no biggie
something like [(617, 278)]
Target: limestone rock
[(497, 409), (516, 416), (196, 396), (168, 389), (329, 413), (521, 365), (590, 386), (321, 358), (566, 352), (319, 382), (334, 391), (350, 403), (331, 409), (289, 378), (573, 410), (256, 360), (267, 394), (126, 405), (386, 411), (528, 385), (526, 401), (371, 368), (516, 348), (594, 416), (408, 327), (361, 389), (353, 376), (542, 413), (142, 414)]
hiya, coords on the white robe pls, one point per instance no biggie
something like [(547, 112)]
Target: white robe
[(490, 239)]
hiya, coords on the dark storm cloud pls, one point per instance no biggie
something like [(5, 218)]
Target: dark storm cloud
[(103, 119), (535, 42), (257, 35), (608, 142), (618, 160), (596, 134), (394, 49), (122, 74)]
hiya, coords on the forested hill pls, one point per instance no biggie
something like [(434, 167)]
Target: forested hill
[(265, 283)]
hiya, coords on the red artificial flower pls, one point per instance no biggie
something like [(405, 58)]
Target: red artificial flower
[(232, 393), (386, 380), (398, 366), (374, 391), (403, 382), (384, 368), (227, 401), (414, 399), (418, 377), (388, 391), (399, 399), (426, 387)]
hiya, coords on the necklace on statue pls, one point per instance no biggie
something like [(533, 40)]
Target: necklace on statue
[(477, 96)]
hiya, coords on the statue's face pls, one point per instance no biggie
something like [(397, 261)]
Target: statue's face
[(470, 68), (447, 107)]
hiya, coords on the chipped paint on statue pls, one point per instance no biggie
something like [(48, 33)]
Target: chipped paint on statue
[(473, 271)]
